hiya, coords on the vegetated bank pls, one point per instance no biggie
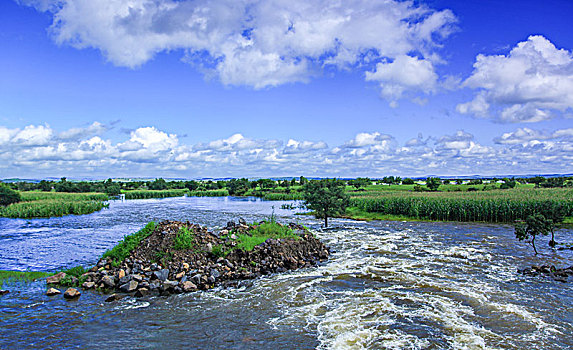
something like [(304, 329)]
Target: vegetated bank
[(503, 206), (51, 204), (176, 257)]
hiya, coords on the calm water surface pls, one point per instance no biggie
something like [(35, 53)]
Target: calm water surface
[(388, 285)]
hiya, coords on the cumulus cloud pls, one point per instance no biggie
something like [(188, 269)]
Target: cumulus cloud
[(148, 151), (534, 82), (264, 43)]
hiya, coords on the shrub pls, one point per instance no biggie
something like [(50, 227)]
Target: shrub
[(8, 196), (185, 239)]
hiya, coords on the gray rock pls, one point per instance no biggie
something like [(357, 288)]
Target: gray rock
[(55, 278), (125, 279), (189, 286), (88, 285), (196, 278), (242, 221), (108, 281), (52, 291), (141, 292), (128, 287), (161, 275), (215, 273)]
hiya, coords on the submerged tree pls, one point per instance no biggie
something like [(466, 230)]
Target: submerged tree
[(326, 197), (534, 225)]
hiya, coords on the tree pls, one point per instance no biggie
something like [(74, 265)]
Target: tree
[(326, 197), (360, 182), (238, 187), (407, 181), (112, 188), (433, 183), (158, 184), (533, 226), (8, 195)]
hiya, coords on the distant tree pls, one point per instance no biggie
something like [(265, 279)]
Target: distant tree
[(552, 182), (293, 182), (536, 180), (534, 225), (238, 187), (459, 181), (158, 184), (191, 185), (8, 195), (303, 180), (507, 183), (475, 182), (45, 186), (446, 181), (326, 197), (407, 181), (360, 182), (111, 188), (433, 183)]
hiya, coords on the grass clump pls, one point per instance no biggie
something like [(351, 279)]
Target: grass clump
[(51, 204), (21, 276), (122, 250), (262, 232), (148, 194), (185, 239)]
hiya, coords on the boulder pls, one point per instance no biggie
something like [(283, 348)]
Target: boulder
[(108, 281), (72, 293), (121, 274), (161, 275), (88, 285), (54, 279), (180, 275), (113, 297), (189, 286), (141, 292), (52, 291), (128, 287), (4, 291)]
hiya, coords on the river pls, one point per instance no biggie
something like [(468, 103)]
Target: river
[(387, 285)]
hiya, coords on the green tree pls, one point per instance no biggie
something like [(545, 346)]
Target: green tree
[(111, 188), (8, 195), (326, 198), (360, 182), (433, 183), (534, 225), (238, 187), (158, 184), (407, 181)]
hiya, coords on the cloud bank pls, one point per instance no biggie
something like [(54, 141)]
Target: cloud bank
[(148, 151), (267, 43)]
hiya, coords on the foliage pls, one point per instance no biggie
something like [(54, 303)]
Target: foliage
[(360, 182), (407, 181), (534, 225), (185, 239), (158, 184), (507, 184), (326, 198), (433, 183), (147, 194), (8, 196), (50, 208), (238, 187), (210, 193), (76, 271), (21, 276), (126, 246)]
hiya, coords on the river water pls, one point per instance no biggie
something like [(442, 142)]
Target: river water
[(387, 285)]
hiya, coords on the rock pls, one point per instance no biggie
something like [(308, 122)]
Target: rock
[(141, 292), (52, 291), (125, 279), (209, 248), (121, 274), (233, 236), (185, 266), (161, 275), (189, 286), (215, 273), (108, 281), (242, 221), (113, 297), (88, 285), (137, 277), (128, 287), (180, 275), (223, 232), (4, 291), (55, 278), (72, 293)]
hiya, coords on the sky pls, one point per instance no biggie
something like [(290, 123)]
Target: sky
[(249, 88)]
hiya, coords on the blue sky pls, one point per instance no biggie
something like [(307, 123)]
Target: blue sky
[(285, 88)]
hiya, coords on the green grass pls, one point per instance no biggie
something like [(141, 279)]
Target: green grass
[(6, 276), (185, 239), (481, 206), (210, 193), (283, 196), (148, 194), (122, 250), (261, 233)]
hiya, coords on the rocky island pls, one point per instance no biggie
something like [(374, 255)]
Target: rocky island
[(177, 257)]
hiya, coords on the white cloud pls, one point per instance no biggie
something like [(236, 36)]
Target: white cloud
[(534, 82), (263, 43), (96, 128), (148, 151)]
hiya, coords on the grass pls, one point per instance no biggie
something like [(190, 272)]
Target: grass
[(27, 276), (261, 233), (49, 204), (481, 206), (185, 239), (148, 194), (210, 193), (122, 250)]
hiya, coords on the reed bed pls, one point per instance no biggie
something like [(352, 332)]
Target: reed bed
[(484, 206), (148, 194), (210, 193), (50, 208), (284, 196), (38, 196)]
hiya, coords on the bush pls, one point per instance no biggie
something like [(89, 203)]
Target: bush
[(185, 239), (8, 196)]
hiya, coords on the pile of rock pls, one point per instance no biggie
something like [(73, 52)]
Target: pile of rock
[(557, 274), (155, 267)]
